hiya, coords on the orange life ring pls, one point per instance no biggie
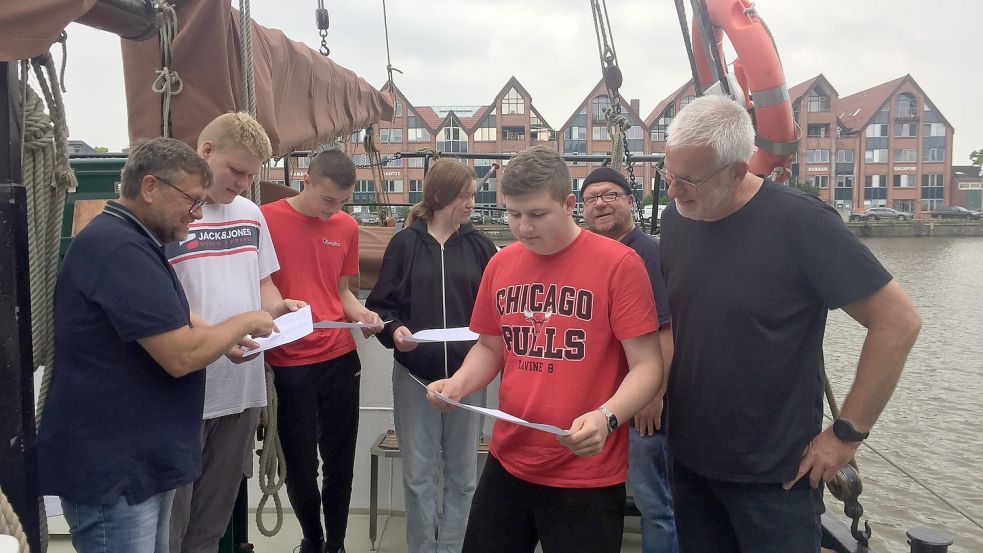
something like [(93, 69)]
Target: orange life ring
[(758, 72)]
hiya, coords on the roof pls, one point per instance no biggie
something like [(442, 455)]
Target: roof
[(650, 120), (966, 171), (856, 110), (800, 89), (599, 87)]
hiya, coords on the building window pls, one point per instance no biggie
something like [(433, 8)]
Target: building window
[(395, 162), (452, 139), (933, 129), (575, 136), (575, 184), (597, 107), (661, 124), (415, 131), (876, 130), (817, 156), (513, 104), (819, 181), (686, 101), (907, 206), (414, 162), (513, 133), (818, 131), (636, 139), (933, 154), (487, 131), (904, 181), (970, 185), (818, 102), (905, 130), (878, 155), (599, 132), (905, 154), (364, 191), (391, 136), (395, 186), (416, 191), (875, 191), (905, 106), (844, 156), (844, 181), (398, 108), (932, 193)]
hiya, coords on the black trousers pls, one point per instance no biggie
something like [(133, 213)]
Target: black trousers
[(318, 411), (510, 515), (715, 516)]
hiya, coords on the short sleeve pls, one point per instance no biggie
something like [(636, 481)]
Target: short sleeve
[(350, 266), (139, 294), (268, 263), (632, 311), (838, 266), (485, 319)]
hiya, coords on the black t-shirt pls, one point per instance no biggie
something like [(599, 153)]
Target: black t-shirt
[(749, 296), (116, 424)]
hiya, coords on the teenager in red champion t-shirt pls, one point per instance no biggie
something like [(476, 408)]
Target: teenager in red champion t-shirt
[(317, 377), (568, 318)]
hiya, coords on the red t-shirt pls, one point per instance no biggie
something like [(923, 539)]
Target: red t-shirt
[(562, 317), (313, 255)]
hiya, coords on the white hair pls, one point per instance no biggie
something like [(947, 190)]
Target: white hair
[(715, 121)]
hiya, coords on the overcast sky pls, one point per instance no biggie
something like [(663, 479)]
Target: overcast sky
[(463, 52)]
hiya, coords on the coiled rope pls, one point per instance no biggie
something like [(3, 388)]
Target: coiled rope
[(10, 524)]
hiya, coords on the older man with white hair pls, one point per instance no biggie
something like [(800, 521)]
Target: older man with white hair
[(752, 269)]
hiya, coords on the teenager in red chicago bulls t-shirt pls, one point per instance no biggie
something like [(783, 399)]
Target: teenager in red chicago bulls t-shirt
[(568, 318)]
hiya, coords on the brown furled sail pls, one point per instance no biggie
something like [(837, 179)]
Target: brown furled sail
[(302, 98), (28, 29)]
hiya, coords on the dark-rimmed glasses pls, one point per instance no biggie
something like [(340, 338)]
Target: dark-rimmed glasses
[(669, 177), (195, 202), (608, 197)]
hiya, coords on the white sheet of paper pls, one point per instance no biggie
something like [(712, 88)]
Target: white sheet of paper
[(293, 326), (501, 415), (343, 324), (457, 334), (52, 506)]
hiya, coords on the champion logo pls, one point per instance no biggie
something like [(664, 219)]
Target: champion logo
[(327, 242)]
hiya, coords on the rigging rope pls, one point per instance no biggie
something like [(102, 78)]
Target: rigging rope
[(248, 79), (272, 467), (168, 83), (681, 13), (10, 524)]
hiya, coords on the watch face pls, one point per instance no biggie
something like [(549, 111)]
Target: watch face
[(843, 430)]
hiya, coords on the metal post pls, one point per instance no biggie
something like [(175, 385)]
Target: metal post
[(928, 540), (18, 465)]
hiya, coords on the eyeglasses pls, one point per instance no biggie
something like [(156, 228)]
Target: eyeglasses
[(669, 177), (608, 197), (195, 202)]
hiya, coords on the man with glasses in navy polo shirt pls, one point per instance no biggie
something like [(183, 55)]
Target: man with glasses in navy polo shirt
[(122, 428)]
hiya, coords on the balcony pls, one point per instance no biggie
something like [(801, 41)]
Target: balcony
[(906, 115)]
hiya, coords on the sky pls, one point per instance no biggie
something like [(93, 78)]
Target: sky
[(461, 52)]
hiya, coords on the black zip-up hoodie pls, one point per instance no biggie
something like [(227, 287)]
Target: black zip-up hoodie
[(410, 292)]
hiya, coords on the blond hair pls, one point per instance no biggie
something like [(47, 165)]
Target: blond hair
[(237, 130), (534, 169)]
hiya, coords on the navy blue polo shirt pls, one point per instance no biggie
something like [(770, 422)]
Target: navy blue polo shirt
[(647, 247), (116, 423)]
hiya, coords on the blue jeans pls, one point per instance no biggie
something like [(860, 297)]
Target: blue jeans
[(121, 527), (427, 437), (648, 479)]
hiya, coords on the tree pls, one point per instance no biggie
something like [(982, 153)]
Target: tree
[(101, 149), (976, 157), (647, 201), (804, 187)]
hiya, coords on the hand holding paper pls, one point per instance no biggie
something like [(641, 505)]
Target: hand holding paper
[(457, 334), (292, 326)]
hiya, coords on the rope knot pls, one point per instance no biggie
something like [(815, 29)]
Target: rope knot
[(167, 82)]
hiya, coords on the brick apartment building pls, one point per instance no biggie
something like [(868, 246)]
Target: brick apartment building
[(888, 145)]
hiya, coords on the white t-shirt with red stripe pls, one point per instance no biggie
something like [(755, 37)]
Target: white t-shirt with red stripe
[(227, 253)]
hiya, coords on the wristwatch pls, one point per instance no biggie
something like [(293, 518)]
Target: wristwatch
[(845, 432), (612, 420)]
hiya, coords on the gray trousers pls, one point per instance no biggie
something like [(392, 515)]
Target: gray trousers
[(202, 510)]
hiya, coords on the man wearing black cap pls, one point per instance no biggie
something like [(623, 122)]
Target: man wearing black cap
[(608, 205)]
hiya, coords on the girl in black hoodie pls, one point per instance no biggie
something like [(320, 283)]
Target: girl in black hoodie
[(429, 278)]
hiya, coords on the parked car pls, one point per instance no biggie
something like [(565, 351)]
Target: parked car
[(476, 218), (501, 218), (956, 212), (366, 218), (878, 213)]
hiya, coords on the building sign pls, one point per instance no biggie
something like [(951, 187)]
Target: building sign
[(905, 168), (824, 169), (391, 173)]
